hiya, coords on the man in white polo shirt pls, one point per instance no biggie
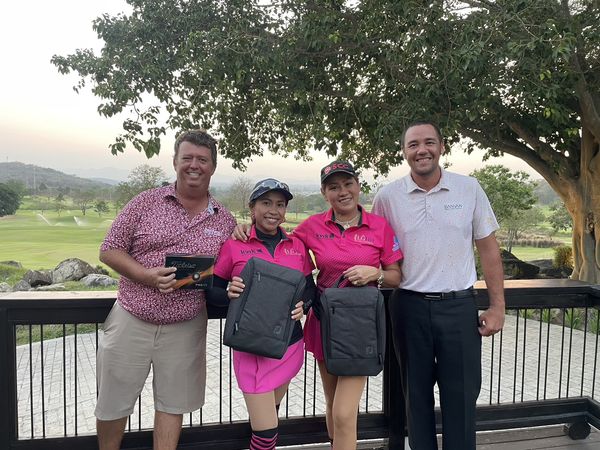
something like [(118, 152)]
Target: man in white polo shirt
[(437, 215)]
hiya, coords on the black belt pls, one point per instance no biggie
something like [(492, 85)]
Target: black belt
[(465, 293)]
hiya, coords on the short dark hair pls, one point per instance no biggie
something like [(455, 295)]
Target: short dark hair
[(416, 123), (198, 137)]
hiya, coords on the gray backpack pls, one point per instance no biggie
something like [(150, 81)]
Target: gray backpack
[(259, 321), (353, 330)]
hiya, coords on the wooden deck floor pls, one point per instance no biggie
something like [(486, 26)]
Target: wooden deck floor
[(541, 438), (536, 438)]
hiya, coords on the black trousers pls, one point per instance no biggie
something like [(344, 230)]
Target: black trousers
[(437, 341)]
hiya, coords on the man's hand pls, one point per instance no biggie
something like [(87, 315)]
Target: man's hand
[(491, 321), (235, 288), (162, 278), (241, 232)]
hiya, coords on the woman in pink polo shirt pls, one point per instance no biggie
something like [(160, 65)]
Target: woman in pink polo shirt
[(346, 241), (264, 381)]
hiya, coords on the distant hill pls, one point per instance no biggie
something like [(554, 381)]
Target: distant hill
[(33, 176)]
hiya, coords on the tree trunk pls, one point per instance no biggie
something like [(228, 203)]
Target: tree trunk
[(583, 203)]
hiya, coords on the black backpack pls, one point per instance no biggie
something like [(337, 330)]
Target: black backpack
[(353, 330), (259, 321)]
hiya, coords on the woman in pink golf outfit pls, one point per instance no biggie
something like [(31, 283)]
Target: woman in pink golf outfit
[(263, 380)]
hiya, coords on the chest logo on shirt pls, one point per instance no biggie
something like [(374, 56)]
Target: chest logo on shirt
[(252, 251), (291, 252), (363, 238), (453, 207), (324, 236), (211, 232)]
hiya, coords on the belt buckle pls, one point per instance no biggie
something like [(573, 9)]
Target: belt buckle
[(433, 296)]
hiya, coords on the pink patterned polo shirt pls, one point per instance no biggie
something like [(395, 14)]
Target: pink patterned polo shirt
[(153, 224)]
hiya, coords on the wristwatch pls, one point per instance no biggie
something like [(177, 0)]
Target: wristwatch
[(380, 279)]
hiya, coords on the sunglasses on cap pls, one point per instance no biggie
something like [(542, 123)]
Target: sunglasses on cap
[(267, 185)]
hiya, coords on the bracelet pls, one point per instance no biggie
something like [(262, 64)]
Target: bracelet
[(380, 279)]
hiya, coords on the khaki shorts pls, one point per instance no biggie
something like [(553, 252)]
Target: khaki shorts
[(130, 346)]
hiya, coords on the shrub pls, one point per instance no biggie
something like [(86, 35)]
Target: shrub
[(11, 274), (563, 257)]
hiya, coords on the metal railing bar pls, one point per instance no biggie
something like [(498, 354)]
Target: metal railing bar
[(571, 325), (562, 354), (314, 408), (596, 352), (64, 348), (31, 380), (367, 395), (500, 365), (304, 384), (547, 356), (42, 375), (585, 328), (221, 376), (492, 369), (514, 398), (523, 354), (539, 358), (75, 374)]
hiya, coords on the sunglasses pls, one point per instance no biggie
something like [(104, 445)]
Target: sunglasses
[(272, 183)]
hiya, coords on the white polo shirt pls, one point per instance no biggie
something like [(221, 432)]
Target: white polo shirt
[(436, 229)]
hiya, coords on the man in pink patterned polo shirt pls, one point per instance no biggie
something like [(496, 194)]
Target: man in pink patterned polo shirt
[(152, 324)]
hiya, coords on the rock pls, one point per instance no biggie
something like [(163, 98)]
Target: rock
[(73, 269), (38, 277), (5, 287), (95, 280), (556, 272), (542, 263), (515, 269), (51, 287), (22, 285), (101, 270), (12, 263)]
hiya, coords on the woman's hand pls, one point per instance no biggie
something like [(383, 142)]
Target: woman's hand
[(361, 275), (298, 311), (235, 288)]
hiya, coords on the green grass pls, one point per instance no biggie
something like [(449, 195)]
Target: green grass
[(50, 332), (41, 244), (531, 253)]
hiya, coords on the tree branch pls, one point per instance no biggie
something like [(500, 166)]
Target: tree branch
[(519, 150)]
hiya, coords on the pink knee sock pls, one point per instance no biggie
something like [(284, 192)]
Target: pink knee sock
[(264, 439)]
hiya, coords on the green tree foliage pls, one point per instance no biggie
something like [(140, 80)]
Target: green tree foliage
[(9, 200), (510, 193), (509, 76), (18, 186), (59, 203), (525, 221), (140, 179), (101, 207), (237, 196), (559, 217), (84, 199)]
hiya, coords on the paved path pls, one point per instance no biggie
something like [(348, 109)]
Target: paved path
[(69, 390)]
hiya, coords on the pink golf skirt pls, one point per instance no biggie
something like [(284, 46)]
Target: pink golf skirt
[(259, 374), (312, 336)]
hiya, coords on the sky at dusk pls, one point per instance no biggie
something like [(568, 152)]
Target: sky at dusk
[(44, 122)]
